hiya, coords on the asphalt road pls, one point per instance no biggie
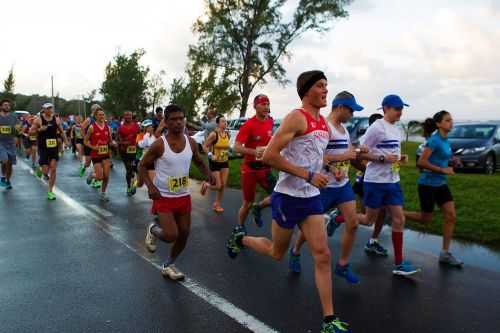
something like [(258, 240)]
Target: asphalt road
[(78, 265)]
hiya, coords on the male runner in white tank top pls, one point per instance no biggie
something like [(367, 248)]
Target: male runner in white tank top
[(171, 157), (297, 150)]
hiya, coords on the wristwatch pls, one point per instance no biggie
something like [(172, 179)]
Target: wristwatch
[(381, 158)]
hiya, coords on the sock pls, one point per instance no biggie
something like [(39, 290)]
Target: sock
[(373, 240), (169, 261), (397, 243), (329, 319)]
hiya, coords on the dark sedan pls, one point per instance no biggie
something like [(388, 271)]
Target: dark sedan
[(477, 145)]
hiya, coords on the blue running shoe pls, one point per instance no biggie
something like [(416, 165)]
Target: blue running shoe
[(346, 273), (376, 248), (405, 269), (8, 185), (335, 326), (234, 244), (294, 262), (3, 182), (257, 214)]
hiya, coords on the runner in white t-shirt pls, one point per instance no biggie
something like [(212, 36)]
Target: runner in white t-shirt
[(381, 183)]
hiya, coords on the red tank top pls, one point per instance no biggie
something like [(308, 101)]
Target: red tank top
[(100, 138)]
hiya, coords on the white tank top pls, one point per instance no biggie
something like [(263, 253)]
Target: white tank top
[(339, 143), (305, 151), (172, 171)]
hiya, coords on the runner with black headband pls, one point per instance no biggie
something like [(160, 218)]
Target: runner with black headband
[(382, 186), (297, 150), (251, 141), (433, 181)]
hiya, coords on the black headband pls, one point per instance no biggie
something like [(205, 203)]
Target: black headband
[(309, 83)]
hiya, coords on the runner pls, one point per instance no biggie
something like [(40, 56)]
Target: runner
[(33, 142), (27, 142), (297, 150), (251, 141), (382, 182), (217, 147), (98, 138), (338, 193), (76, 133), (171, 158), (47, 126), (86, 150), (144, 142), (433, 181), (127, 147), (8, 122)]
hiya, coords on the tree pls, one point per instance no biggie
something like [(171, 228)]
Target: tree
[(243, 43), (125, 86), (8, 86), (157, 89), (410, 128), (184, 94)]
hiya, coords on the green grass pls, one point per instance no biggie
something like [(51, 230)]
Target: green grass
[(477, 199)]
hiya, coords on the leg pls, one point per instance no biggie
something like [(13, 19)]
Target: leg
[(348, 210), (315, 234), (450, 218), (53, 174), (7, 169), (129, 175), (223, 175), (398, 223), (299, 242), (249, 185), (106, 166), (98, 170), (183, 222), (167, 231), (421, 217), (275, 248)]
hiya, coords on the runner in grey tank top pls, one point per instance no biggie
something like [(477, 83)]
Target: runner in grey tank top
[(8, 122), (171, 157)]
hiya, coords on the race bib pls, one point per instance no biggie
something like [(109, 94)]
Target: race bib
[(131, 149), (222, 156), (178, 184), (395, 167), (51, 143), (5, 129), (32, 138), (102, 150), (343, 166)]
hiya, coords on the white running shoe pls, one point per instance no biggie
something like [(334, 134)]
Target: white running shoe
[(150, 238), (172, 272)]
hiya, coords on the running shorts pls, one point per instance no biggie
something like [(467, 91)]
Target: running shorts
[(179, 205), (378, 195), (290, 211), (433, 195), (217, 166), (334, 196)]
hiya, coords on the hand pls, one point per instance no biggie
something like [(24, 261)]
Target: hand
[(259, 152), (154, 193), (404, 158), (448, 171), (350, 155), (391, 158), (456, 162), (364, 149), (319, 180)]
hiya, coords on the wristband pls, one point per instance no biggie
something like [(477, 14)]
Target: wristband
[(310, 177)]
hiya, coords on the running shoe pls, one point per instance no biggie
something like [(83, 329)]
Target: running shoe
[(97, 184), (3, 182), (8, 185), (375, 248), (257, 214), (150, 238), (234, 244), (51, 196), (104, 197), (335, 326), (33, 166), (46, 177), (405, 269), (172, 272), (81, 171), (133, 190), (346, 273), (446, 258), (129, 192), (90, 180), (333, 221), (39, 172), (294, 262)]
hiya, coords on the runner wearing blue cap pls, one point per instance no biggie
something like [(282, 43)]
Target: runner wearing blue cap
[(338, 193), (382, 182), (433, 182)]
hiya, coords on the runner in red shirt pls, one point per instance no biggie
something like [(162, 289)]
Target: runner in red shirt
[(251, 141), (98, 138), (127, 147)]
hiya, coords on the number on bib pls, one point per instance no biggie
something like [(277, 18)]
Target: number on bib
[(343, 166), (396, 167), (131, 149), (5, 129), (222, 156), (178, 184), (33, 138), (51, 143), (102, 150)]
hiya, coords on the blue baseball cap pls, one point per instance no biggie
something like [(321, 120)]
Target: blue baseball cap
[(346, 99), (393, 101)]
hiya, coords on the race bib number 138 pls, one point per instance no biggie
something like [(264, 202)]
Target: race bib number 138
[(102, 150), (51, 143)]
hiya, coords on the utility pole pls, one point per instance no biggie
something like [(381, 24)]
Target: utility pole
[(52, 85)]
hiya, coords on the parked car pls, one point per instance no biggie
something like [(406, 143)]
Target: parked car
[(477, 145), (357, 128)]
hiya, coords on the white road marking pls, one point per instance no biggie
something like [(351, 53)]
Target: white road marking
[(101, 211), (209, 296)]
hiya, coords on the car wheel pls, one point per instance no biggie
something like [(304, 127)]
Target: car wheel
[(489, 165)]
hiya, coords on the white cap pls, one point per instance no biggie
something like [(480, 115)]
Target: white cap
[(47, 105)]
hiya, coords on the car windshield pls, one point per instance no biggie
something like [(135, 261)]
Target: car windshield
[(472, 131)]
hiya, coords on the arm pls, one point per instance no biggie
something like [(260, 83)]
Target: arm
[(148, 161), (160, 128), (36, 127), (208, 142), (241, 138), (423, 162), (86, 139), (63, 133)]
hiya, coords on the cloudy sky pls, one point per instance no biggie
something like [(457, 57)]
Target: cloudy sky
[(437, 54)]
